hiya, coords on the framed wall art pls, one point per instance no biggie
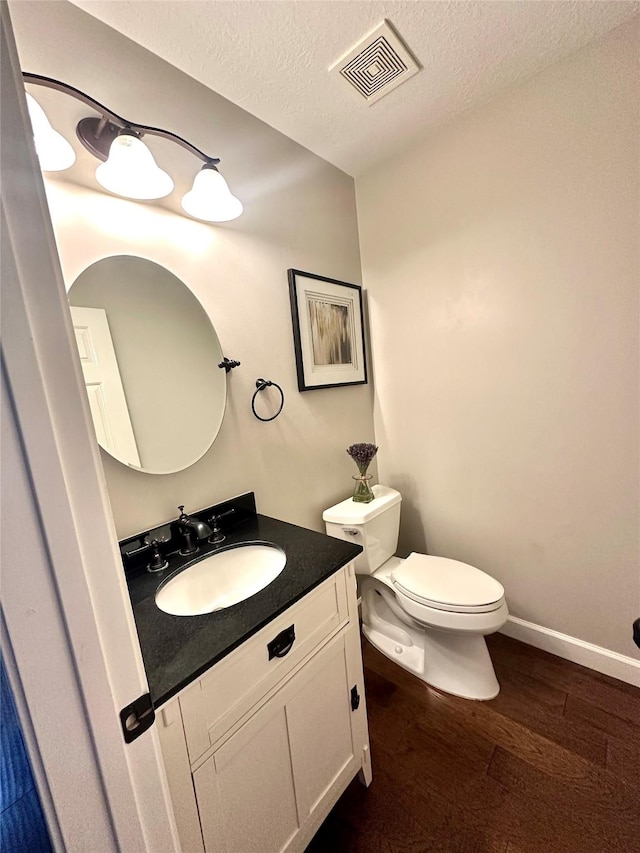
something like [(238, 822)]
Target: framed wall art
[(328, 331)]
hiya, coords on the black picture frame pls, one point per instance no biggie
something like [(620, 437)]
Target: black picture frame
[(328, 331)]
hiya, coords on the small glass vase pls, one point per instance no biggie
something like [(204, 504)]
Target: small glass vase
[(362, 492)]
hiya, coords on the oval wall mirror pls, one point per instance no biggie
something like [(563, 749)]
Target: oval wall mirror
[(150, 357)]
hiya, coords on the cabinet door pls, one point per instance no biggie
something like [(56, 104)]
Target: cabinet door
[(319, 726), (245, 791), (293, 758)]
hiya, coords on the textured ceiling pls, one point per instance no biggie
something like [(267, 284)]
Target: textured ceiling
[(271, 58)]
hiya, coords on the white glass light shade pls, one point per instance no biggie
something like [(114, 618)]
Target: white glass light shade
[(131, 171), (210, 198), (54, 152)]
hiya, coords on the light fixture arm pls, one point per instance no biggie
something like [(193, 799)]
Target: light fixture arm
[(109, 116)]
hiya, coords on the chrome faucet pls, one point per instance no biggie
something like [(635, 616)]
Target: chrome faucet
[(190, 530)]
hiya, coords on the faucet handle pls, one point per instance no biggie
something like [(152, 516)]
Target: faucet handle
[(217, 536), (158, 562)]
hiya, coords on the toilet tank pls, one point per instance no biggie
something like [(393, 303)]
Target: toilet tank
[(375, 526)]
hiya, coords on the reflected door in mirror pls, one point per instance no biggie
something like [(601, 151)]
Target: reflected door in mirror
[(103, 382)]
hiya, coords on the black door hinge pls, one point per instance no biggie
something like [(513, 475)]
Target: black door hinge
[(355, 698), (137, 717)]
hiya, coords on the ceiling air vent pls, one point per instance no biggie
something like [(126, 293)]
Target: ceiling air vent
[(377, 64)]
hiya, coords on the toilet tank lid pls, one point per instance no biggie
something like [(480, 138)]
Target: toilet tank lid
[(352, 512)]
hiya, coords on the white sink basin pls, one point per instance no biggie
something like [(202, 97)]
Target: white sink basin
[(221, 579)]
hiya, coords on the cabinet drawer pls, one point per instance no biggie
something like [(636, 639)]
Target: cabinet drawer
[(212, 705)]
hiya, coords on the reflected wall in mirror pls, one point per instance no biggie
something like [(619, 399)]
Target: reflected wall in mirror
[(149, 356)]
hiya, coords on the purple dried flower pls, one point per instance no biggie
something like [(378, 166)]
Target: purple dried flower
[(362, 454)]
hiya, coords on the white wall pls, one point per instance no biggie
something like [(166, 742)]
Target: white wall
[(300, 212), (501, 258)]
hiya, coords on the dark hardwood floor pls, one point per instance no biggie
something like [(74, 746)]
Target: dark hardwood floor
[(552, 764)]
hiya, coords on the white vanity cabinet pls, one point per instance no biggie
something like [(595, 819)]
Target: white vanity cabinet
[(259, 749)]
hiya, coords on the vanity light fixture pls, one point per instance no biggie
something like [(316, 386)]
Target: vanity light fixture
[(128, 168)]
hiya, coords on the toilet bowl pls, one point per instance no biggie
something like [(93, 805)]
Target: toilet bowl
[(428, 614)]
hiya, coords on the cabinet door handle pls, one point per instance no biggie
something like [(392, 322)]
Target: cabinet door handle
[(282, 644)]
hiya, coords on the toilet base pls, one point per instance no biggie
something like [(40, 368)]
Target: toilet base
[(457, 662), (459, 665)]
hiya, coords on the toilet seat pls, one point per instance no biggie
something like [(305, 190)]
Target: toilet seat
[(444, 584)]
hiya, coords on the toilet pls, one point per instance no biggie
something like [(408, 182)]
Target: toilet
[(428, 614)]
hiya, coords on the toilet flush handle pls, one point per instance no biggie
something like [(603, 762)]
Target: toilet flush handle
[(350, 531)]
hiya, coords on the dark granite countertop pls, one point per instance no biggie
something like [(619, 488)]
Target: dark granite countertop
[(177, 649)]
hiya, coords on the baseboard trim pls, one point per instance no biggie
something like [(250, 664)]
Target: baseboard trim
[(570, 648)]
